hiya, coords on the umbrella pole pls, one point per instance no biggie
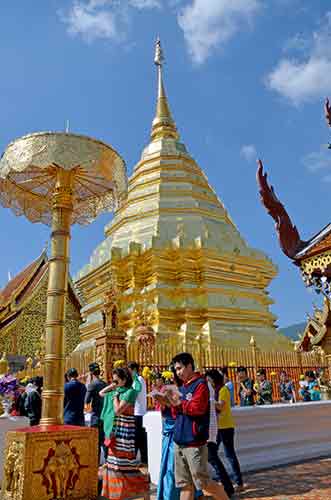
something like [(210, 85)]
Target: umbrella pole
[(53, 393)]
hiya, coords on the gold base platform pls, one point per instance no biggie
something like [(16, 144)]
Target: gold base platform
[(48, 463)]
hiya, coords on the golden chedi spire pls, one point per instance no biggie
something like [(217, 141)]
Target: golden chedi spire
[(163, 123)]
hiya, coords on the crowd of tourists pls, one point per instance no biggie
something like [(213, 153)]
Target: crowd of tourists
[(196, 421), (261, 391)]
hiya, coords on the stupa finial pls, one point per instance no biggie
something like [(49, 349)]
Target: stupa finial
[(163, 123)]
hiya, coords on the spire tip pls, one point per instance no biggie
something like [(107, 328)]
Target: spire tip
[(159, 57), (163, 124)]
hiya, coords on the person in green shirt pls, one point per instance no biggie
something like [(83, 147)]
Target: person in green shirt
[(246, 387), (263, 388), (121, 475)]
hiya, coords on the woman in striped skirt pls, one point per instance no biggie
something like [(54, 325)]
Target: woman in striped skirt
[(122, 480)]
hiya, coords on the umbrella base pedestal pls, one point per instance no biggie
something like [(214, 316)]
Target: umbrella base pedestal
[(51, 462)]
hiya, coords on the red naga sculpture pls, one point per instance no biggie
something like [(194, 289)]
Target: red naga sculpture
[(288, 235), (327, 109)]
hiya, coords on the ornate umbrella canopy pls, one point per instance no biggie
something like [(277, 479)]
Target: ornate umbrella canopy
[(28, 172)]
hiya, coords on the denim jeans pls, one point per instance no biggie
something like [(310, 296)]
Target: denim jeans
[(220, 472), (226, 436)]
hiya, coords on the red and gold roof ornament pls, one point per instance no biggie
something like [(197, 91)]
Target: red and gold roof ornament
[(312, 256)]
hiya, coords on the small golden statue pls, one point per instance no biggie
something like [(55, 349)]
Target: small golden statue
[(4, 367)]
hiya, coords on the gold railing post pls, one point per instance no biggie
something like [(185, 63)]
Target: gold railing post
[(253, 347), (52, 411), (199, 361), (299, 359)]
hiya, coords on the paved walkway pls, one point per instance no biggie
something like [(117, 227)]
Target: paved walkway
[(305, 481)]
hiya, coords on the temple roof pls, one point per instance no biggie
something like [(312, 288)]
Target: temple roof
[(24, 282), (19, 289), (317, 244)]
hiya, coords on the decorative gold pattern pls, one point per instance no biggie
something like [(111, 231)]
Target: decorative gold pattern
[(14, 472), (28, 175), (27, 331), (316, 263)]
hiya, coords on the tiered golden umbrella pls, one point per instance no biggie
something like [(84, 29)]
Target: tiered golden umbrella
[(59, 179)]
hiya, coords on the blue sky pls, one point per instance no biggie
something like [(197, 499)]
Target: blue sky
[(245, 78)]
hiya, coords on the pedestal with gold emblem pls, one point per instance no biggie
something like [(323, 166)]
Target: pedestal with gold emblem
[(45, 463)]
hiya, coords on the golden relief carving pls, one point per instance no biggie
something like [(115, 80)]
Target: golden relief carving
[(118, 351), (13, 472), (100, 359), (61, 470)]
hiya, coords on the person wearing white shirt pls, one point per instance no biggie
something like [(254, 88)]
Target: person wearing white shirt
[(140, 409)]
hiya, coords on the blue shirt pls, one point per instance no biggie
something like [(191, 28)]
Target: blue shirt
[(74, 398), (230, 386)]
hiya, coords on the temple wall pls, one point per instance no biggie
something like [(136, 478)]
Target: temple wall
[(27, 330)]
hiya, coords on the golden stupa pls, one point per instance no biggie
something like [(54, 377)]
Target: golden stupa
[(176, 259)]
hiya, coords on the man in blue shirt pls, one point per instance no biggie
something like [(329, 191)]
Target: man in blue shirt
[(74, 398)]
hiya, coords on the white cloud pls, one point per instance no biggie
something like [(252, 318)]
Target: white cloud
[(319, 162), (145, 4), (209, 24), (298, 42), (248, 152), (102, 19), (305, 78), (87, 20)]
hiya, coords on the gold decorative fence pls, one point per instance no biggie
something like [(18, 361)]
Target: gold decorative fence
[(295, 363)]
